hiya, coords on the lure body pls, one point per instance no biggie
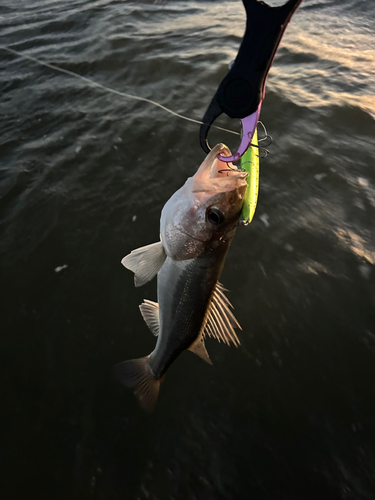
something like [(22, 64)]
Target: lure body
[(250, 163)]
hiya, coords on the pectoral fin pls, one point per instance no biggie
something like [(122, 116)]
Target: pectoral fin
[(198, 348), (150, 313), (220, 322), (145, 262)]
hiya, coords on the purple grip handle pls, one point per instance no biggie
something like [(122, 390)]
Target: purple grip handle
[(248, 128)]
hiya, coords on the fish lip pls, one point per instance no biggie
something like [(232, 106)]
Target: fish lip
[(190, 236), (219, 150), (203, 241)]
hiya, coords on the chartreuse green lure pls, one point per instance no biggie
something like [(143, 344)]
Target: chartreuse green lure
[(250, 163)]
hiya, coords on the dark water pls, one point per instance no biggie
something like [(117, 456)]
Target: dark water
[(84, 174)]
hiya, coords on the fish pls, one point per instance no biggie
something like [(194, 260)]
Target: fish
[(197, 226)]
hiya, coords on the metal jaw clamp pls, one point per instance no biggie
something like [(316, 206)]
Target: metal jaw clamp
[(241, 93)]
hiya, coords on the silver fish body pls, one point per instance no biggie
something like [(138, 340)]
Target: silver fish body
[(197, 226), (184, 289)]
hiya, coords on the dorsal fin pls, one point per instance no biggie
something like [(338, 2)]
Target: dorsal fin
[(198, 348), (150, 313), (145, 262), (219, 321)]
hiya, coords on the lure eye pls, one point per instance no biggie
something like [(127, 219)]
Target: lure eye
[(215, 216)]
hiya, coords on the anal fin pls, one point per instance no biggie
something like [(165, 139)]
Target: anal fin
[(145, 262), (198, 348)]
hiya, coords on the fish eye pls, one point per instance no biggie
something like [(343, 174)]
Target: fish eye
[(215, 216)]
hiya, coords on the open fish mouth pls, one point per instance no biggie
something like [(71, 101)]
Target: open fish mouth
[(216, 176), (220, 168)]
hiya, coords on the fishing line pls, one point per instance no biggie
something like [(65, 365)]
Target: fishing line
[(110, 90)]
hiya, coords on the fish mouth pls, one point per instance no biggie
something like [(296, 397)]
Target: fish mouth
[(216, 176), (220, 168)]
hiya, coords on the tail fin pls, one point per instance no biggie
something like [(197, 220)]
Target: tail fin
[(136, 374)]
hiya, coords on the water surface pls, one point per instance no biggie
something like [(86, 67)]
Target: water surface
[(83, 177)]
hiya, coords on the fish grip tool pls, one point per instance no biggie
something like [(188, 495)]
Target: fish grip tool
[(241, 92)]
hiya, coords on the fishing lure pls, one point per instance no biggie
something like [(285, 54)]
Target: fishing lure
[(241, 92), (250, 163)]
